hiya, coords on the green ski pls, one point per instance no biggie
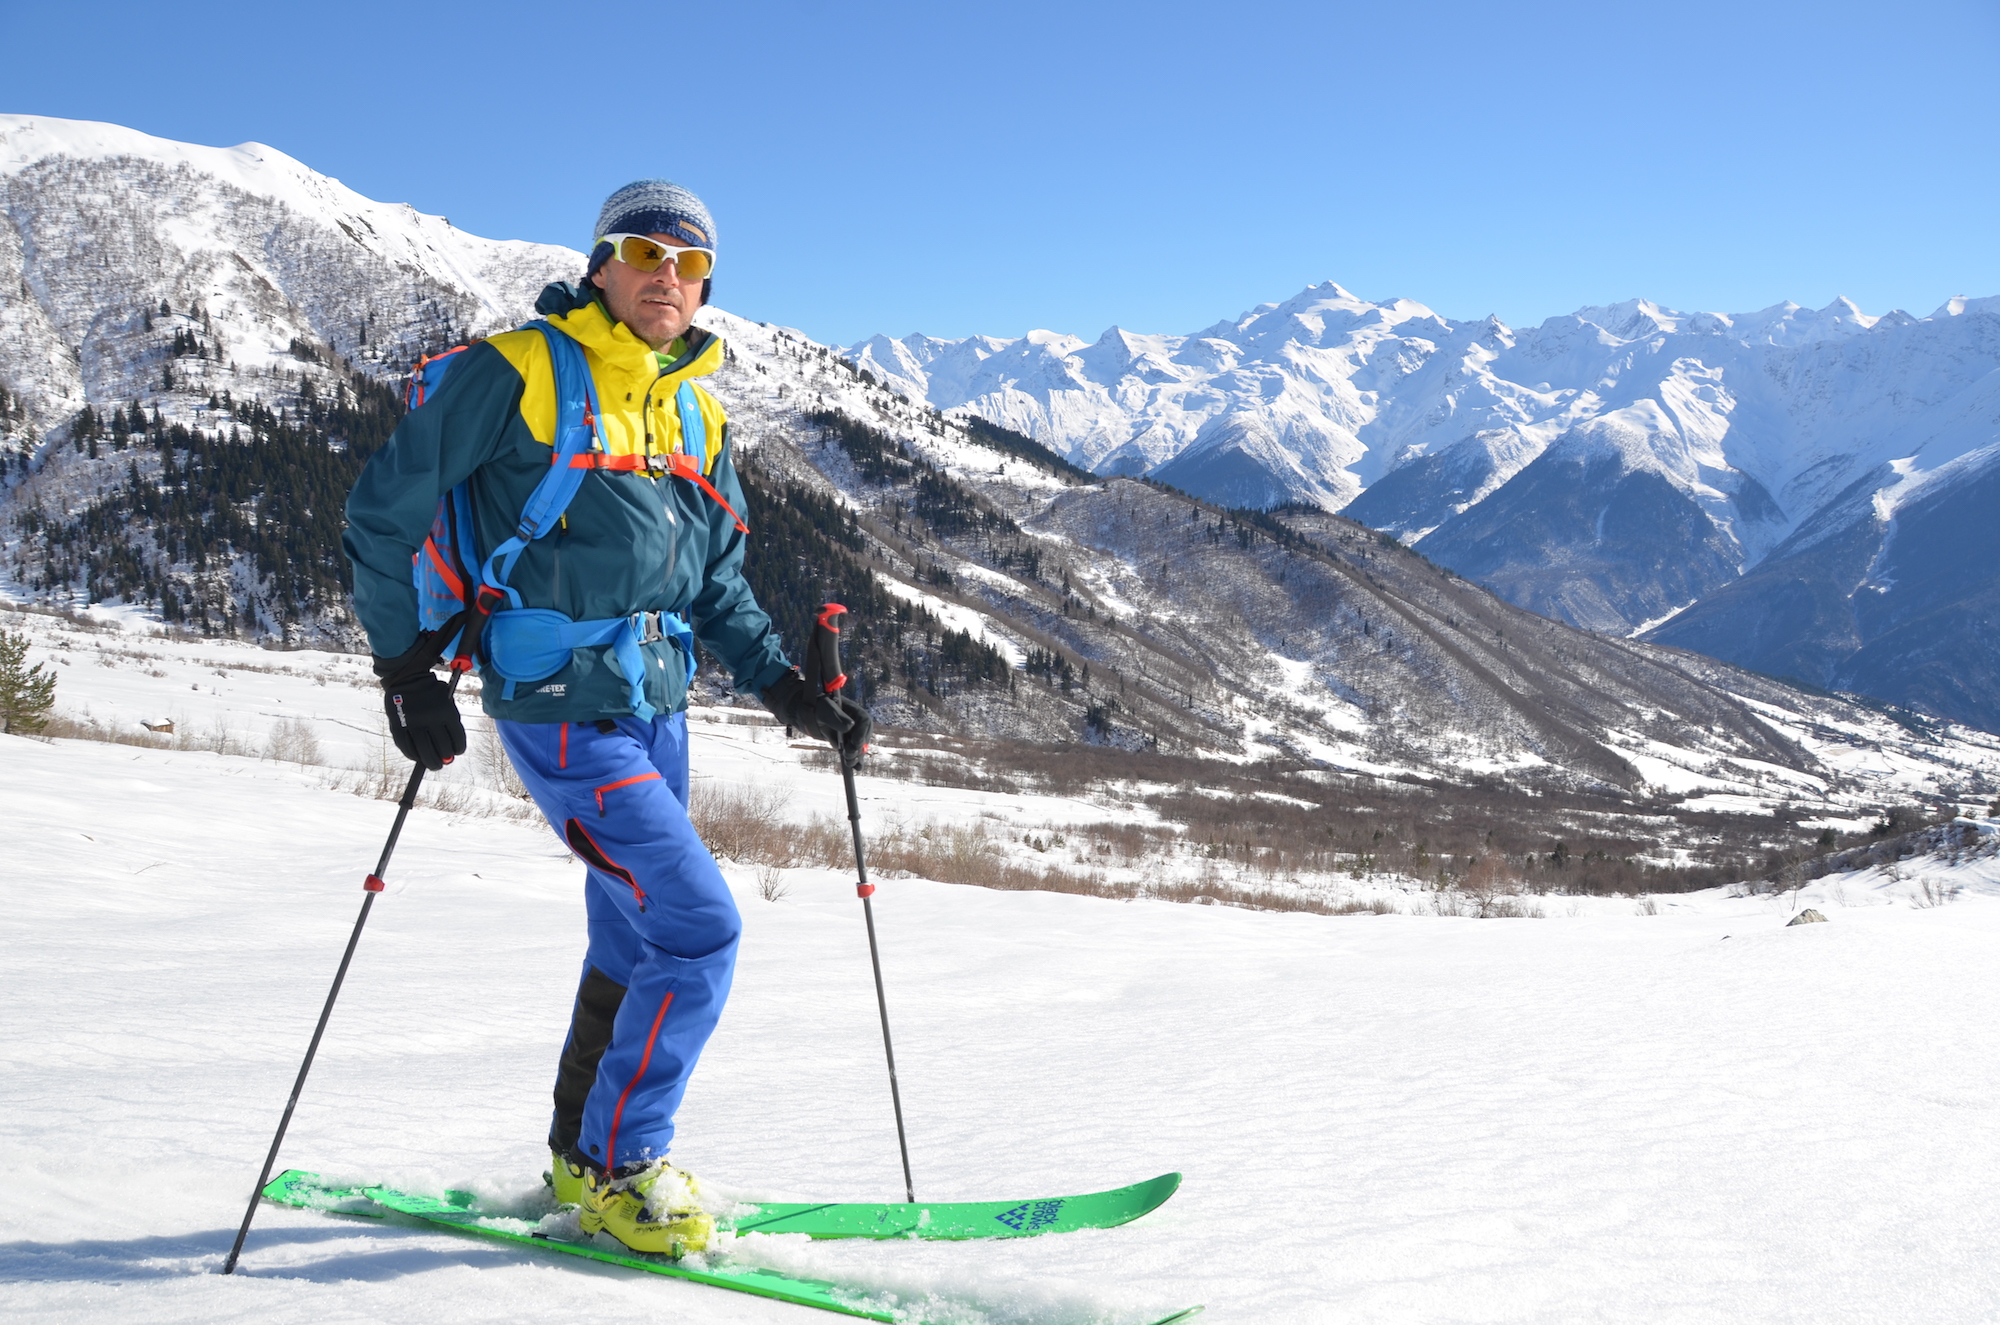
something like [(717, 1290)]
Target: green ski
[(954, 1220), (456, 1212)]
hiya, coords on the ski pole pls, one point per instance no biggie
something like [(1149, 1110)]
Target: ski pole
[(823, 670), (370, 887)]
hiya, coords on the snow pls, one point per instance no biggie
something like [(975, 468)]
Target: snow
[(1694, 1114), (1298, 680), (956, 617), (1656, 622), (1662, 766)]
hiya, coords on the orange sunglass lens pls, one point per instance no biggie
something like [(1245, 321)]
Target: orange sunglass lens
[(642, 253), (647, 255)]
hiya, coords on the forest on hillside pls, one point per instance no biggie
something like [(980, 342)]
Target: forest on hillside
[(228, 529)]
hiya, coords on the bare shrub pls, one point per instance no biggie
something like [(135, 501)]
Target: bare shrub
[(1451, 902), (1511, 908), (292, 741), (963, 853), (455, 789), (748, 824), (216, 738), (771, 883), (1566, 841), (1489, 889), (740, 823), (452, 797), (1206, 891), (1375, 906), (499, 769), (1487, 906), (822, 841), (1934, 892), (382, 778), (70, 727), (1646, 906)]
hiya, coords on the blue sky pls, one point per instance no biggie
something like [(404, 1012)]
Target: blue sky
[(956, 168)]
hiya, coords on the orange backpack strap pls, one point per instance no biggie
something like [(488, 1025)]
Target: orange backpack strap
[(679, 464)]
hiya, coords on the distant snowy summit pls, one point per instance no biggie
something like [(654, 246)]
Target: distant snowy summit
[(1317, 398), (1795, 490)]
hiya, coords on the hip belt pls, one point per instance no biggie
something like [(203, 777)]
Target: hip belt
[(526, 644)]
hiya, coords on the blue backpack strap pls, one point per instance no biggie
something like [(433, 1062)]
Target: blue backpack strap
[(631, 662), (694, 433), (576, 432), (675, 624), (692, 459)]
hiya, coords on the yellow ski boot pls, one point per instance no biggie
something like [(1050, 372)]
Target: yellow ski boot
[(565, 1175), (654, 1210)]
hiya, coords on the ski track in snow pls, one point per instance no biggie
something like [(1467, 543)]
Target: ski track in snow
[(1693, 1116)]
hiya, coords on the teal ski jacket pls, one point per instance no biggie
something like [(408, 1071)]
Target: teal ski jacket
[(631, 541)]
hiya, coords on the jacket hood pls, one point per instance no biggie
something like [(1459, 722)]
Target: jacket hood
[(559, 297), (579, 310)]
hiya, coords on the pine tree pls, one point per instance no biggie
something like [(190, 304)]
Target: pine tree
[(26, 695)]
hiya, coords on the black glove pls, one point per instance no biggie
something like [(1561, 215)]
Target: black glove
[(423, 716), (832, 718)]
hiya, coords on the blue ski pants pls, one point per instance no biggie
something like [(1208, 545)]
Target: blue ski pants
[(663, 928)]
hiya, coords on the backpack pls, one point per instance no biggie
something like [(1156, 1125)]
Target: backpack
[(440, 567), (476, 617)]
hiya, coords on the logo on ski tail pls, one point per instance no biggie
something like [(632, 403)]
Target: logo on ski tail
[(1031, 1215)]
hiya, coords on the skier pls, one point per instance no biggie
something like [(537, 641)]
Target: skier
[(651, 537)]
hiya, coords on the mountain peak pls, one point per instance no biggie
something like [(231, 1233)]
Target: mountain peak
[(1631, 319), (1843, 309), (342, 279), (1959, 305), (256, 168)]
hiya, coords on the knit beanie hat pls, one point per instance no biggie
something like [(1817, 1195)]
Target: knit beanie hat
[(652, 207)]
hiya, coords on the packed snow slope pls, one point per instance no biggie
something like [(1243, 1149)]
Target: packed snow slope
[(1676, 1109), (1608, 468)]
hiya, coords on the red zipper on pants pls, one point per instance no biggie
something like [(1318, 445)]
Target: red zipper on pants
[(613, 786)]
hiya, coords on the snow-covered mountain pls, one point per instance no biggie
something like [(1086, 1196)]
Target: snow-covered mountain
[(1610, 468), (159, 300), (1760, 418), (1006, 594), (112, 232)]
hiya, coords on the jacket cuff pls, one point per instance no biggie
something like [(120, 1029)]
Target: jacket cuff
[(763, 678)]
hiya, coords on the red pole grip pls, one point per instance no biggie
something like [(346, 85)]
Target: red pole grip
[(823, 671)]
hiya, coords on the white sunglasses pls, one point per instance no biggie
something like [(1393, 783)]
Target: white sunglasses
[(649, 254)]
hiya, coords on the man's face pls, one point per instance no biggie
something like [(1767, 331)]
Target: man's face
[(656, 305)]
